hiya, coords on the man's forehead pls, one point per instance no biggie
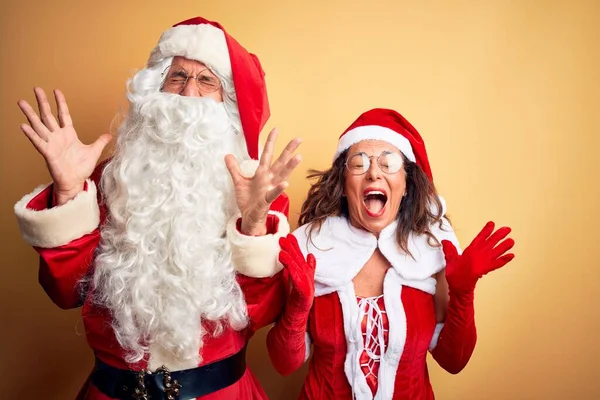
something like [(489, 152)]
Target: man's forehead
[(187, 62)]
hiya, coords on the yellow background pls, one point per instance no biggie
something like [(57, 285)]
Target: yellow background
[(505, 94)]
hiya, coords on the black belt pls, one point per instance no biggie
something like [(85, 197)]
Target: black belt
[(169, 385)]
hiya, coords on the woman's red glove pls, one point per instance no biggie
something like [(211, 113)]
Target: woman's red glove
[(483, 255), (301, 272), (286, 341), (486, 253)]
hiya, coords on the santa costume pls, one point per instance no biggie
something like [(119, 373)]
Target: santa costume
[(374, 347), (69, 240)]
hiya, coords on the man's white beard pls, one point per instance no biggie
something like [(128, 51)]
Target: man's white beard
[(164, 263)]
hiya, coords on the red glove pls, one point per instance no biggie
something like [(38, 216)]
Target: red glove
[(458, 337), (286, 340), (300, 271), (483, 255)]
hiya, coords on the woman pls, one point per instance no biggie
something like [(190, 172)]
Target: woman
[(377, 280)]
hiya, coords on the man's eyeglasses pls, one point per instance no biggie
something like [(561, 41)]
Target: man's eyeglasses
[(175, 78), (388, 162)]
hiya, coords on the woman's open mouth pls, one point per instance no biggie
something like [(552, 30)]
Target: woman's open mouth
[(375, 201)]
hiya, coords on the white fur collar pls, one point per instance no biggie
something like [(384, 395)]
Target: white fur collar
[(341, 251)]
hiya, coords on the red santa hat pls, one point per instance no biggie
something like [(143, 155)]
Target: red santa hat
[(391, 127), (208, 42)]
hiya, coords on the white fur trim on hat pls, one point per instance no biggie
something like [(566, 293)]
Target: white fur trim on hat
[(204, 43), (257, 256), (59, 225), (374, 132), (248, 168)]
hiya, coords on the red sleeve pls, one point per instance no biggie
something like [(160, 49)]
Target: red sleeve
[(286, 340), (265, 296), (62, 268), (265, 299), (458, 336)]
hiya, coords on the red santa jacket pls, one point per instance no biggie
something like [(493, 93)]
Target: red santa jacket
[(67, 236)]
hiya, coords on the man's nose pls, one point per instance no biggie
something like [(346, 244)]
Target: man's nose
[(190, 89)]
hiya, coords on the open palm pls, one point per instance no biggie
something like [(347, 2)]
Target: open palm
[(255, 195), (69, 161), (486, 253)]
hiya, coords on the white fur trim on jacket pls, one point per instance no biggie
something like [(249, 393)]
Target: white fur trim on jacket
[(341, 251), (59, 225), (374, 132), (257, 256), (390, 359), (204, 43)]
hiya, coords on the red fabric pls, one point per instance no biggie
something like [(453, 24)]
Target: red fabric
[(260, 295), (326, 379), (250, 87), (62, 268), (483, 255), (272, 224), (458, 337), (369, 366), (286, 340), (393, 120)]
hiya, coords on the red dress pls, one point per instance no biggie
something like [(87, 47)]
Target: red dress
[(374, 348), (326, 379), (62, 267)]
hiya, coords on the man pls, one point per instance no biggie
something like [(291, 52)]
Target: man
[(173, 259)]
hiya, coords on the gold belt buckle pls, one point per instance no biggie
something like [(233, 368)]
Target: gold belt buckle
[(140, 392), (172, 386)]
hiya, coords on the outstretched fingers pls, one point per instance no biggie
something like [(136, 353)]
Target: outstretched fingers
[(499, 263), (234, 168), (291, 266), (34, 121), (284, 172), (484, 233), (45, 109), (64, 116), (287, 159), (290, 244), (450, 252), (267, 154), (101, 143), (276, 192), (502, 248), (39, 143), (497, 236)]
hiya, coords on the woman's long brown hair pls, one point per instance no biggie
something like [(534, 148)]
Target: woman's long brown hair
[(420, 208)]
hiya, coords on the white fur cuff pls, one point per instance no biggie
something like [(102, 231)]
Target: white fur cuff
[(436, 335), (257, 256), (60, 225)]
